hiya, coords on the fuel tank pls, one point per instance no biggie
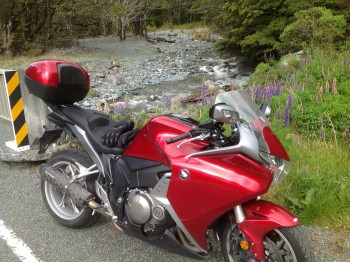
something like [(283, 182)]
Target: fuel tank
[(150, 142)]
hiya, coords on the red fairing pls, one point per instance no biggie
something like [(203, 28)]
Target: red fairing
[(45, 72), (275, 146), (216, 184), (261, 218)]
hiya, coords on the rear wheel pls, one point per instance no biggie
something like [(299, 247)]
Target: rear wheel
[(62, 209), (283, 245)]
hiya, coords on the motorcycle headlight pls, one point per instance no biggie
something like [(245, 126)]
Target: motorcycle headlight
[(279, 167)]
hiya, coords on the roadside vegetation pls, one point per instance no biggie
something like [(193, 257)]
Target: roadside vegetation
[(309, 94)]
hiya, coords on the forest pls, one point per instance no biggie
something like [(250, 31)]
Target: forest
[(252, 27)]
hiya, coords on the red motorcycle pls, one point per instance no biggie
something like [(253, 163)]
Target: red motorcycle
[(176, 182)]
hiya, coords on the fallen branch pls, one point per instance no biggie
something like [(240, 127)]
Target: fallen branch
[(155, 40), (209, 93)]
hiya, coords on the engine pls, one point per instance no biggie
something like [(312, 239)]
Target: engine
[(143, 209)]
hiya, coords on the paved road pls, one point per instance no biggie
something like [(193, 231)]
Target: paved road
[(23, 211)]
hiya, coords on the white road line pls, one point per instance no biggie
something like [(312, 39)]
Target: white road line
[(21, 250)]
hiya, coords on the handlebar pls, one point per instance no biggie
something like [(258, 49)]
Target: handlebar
[(178, 138), (192, 133)]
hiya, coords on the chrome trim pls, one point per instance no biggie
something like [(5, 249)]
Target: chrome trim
[(89, 148), (159, 192), (248, 145), (239, 214)]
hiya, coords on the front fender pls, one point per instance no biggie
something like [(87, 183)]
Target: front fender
[(261, 218)]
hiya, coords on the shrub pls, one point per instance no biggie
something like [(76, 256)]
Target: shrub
[(314, 27)]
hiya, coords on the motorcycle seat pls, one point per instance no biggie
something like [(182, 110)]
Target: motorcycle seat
[(95, 124)]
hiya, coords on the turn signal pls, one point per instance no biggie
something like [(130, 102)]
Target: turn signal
[(244, 245)]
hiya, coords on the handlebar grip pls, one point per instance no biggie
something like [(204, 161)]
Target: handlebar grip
[(178, 138)]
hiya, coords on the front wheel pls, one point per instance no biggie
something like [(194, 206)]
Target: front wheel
[(287, 244)]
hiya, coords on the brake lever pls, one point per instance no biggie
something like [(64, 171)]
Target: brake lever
[(201, 137)]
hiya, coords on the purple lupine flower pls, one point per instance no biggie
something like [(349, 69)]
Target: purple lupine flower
[(289, 101), (120, 107), (203, 94), (268, 93), (167, 101), (210, 101), (266, 57), (145, 107), (249, 91), (139, 119), (257, 92), (123, 109), (295, 87), (296, 75), (327, 87), (278, 89), (286, 117), (115, 109)]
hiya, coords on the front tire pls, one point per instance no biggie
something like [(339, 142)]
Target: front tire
[(64, 211), (287, 244)]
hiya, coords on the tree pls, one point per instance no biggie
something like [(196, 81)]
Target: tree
[(133, 13), (315, 27), (254, 26)]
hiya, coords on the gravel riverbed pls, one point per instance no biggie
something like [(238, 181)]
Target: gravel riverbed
[(142, 72)]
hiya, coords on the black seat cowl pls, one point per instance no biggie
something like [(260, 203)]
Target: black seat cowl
[(95, 124)]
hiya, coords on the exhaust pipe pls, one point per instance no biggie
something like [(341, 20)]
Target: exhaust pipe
[(79, 195)]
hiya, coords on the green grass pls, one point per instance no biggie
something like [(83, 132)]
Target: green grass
[(170, 26), (3, 176), (318, 188)]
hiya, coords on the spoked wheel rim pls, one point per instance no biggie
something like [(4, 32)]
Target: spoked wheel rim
[(278, 248), (64, 208)]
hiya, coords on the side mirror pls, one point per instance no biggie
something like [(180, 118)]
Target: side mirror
[(266, 110), (223, 113)]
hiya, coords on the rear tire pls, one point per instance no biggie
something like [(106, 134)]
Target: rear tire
[(286, 244), (67, 213)]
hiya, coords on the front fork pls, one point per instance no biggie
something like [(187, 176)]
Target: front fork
[(258, 217)]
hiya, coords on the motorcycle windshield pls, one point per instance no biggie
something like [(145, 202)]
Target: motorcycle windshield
[(249, 113), (241, 101)]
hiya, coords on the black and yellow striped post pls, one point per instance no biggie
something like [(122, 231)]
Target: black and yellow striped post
[(20, 129)]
